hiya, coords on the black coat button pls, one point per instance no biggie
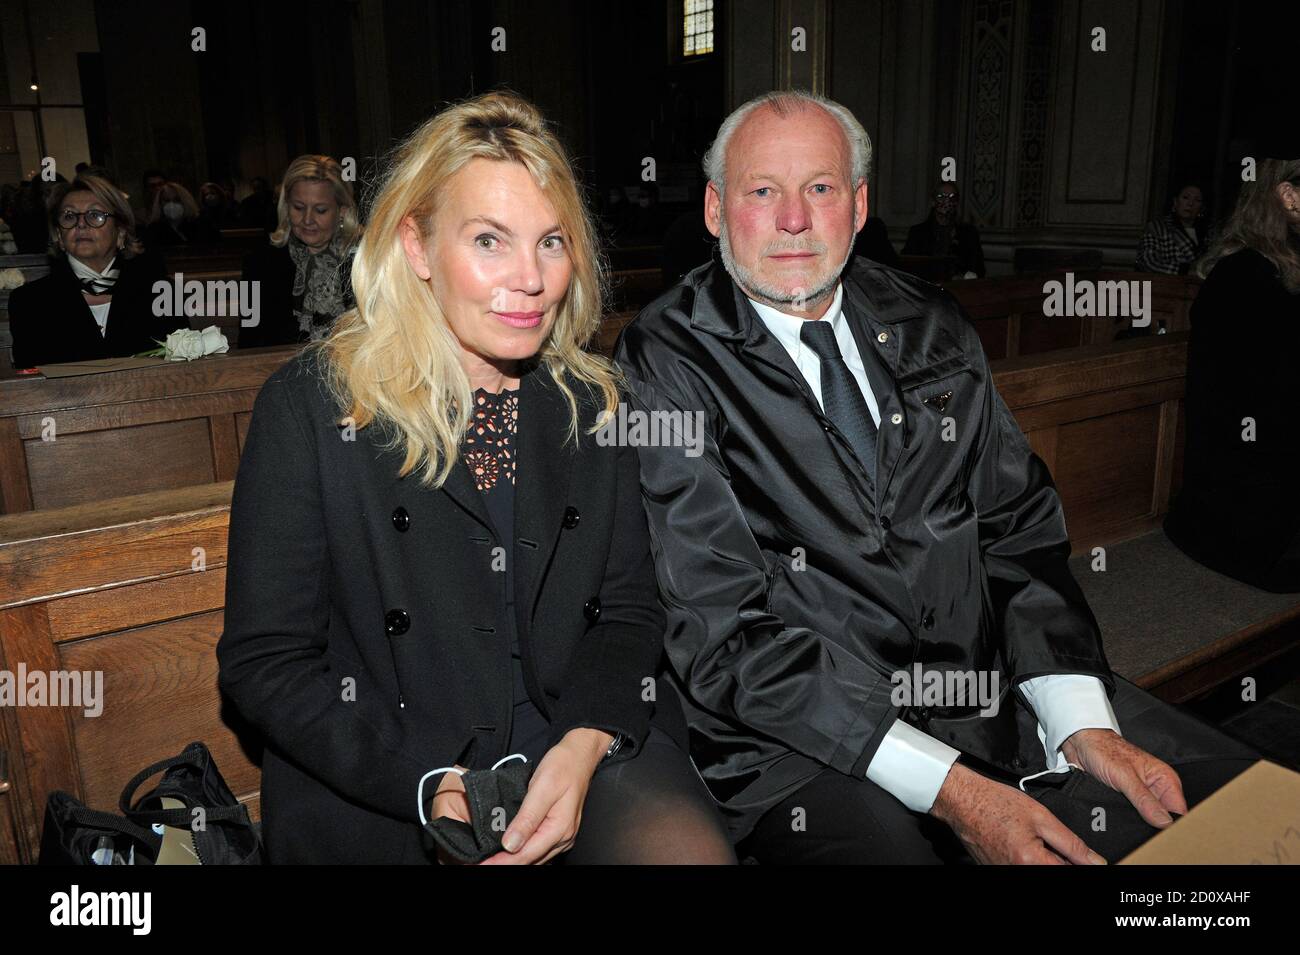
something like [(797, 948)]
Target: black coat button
[(401, 519), (884, 522), (591, 609), (397, 622), (571, 518), (928, 622), (923, 713)]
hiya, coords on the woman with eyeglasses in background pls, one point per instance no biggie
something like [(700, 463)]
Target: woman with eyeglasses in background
[(97, 301)]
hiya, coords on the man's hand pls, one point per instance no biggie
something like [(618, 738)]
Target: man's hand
[(1002, 826), (547, 822), (1149, 784)]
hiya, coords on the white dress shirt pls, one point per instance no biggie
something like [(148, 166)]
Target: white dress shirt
[(101, 317), (911, 765)]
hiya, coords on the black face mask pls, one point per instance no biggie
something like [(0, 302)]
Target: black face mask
[(494, 797)]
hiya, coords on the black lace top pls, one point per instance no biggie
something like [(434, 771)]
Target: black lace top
[(489, 446), (488, 450)]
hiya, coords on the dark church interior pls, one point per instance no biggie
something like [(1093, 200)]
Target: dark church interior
[(1050, 188)]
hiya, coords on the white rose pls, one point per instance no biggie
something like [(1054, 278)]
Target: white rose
[(184, 344), (214, 343)]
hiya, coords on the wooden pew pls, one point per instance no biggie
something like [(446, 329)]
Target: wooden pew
[(1108, 422), (145, 429), (1008, 310), (132, 588)]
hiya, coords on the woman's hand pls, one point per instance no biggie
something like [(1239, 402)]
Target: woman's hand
[(547, 822), (450, 800)]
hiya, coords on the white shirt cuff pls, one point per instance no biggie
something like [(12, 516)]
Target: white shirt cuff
[(1064, 704), (911, 766)]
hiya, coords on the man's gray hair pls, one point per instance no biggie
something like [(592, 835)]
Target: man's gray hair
[(784, 103)]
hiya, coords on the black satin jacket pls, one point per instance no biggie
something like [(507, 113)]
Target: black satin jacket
[(795, 589)]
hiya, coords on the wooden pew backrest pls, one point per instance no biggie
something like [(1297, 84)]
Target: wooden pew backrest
[(70, 440), (132, 589)]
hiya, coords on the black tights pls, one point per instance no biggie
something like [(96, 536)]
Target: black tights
[(651, 809)]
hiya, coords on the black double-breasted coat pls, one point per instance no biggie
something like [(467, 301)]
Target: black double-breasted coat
[(364, 632), (795, 588)]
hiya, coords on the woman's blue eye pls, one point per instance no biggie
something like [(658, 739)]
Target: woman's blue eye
[(485, 237)]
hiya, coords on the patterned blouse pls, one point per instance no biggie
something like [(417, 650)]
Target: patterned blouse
[(489, 445)]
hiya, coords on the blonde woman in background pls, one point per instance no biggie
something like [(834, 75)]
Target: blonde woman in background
[(304, 270)]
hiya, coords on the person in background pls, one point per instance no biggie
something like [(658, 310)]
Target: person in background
[(29, 221), (217, 210), (1237, 512), (174, 220), (873, 242), (97, 301), (687, 244), (305, 268), (1178, 238), (257, 210), (943, 233), (150, 182)]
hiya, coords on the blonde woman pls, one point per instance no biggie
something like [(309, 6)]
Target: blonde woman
[(304, 268), (434, 564)]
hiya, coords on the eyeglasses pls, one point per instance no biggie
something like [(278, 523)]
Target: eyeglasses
[(945, 197), (68, 219)]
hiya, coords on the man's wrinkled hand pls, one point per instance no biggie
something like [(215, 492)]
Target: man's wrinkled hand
[(1000, 825), (1149, 784)]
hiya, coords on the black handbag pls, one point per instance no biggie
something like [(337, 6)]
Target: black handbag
[(222, 834), (75, 834)]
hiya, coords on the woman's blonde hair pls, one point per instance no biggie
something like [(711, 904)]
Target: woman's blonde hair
[(317, 169), (394, 359)]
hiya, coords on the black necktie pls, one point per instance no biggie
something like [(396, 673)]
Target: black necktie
[(841, 397)]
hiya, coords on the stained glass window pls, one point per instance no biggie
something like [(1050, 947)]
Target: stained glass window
[(697, 27)]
